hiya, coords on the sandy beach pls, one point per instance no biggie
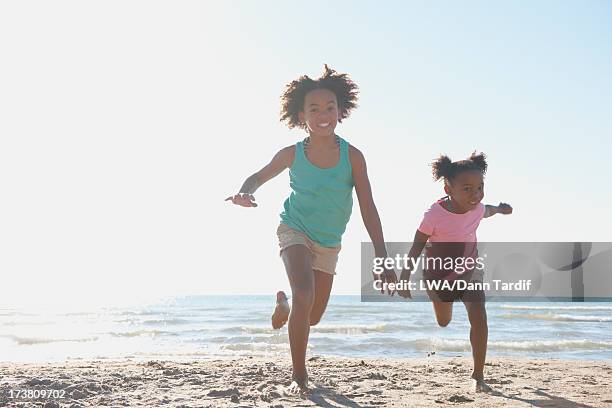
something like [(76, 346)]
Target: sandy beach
[(336, 382)]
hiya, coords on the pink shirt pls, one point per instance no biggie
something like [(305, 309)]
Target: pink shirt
[(444, 226)]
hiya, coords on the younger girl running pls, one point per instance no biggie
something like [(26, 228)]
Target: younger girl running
[(450, 228), (323, 168)]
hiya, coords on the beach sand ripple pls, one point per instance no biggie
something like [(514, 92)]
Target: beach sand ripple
[(335, 382)]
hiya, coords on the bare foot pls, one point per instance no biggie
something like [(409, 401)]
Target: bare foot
[(281, 311), (479, 385), (297, 388)]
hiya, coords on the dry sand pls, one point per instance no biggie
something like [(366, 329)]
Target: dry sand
[(336, 382)]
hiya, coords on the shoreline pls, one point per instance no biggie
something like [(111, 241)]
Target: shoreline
[(335, 381)]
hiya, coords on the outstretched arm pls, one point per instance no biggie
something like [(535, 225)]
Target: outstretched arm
[(502, 208), (369, 213), (279, 162)]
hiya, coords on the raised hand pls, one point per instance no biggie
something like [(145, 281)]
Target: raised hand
[(242, 199)]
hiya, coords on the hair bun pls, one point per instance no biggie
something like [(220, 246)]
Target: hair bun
[(480, 161), (442, 167)]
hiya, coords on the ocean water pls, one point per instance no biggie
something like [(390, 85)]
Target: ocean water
[(202, 327)]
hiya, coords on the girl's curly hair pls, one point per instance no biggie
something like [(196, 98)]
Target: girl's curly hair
[(292, 100), (444, 168)]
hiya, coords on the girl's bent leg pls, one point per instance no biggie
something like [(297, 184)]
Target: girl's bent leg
[(443, 312), (323, 284), (298, 264)]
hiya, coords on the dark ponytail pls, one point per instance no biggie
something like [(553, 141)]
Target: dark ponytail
[(480, 161), (442, 167)]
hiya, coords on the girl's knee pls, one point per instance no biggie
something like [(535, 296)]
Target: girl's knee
[(477, 315), (443, 321), (443, 312), (302, 298), (314, 320)]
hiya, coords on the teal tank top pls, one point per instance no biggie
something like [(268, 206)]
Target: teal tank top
[(321, 200)]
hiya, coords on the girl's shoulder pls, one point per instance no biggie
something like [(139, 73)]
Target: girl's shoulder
[(481, 210), (436, 207), (437, 212), (355, 155), (285, 156), (288, 150), (356, 159)]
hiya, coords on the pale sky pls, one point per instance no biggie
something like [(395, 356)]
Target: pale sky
[(124, 125)]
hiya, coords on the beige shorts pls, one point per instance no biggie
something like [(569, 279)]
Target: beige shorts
[(323, 259)]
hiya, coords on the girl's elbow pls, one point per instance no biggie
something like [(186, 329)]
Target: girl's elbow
[(369, 212), (255, 178)]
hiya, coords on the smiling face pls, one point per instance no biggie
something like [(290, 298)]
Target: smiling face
[(466, 190), (320, 112)]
